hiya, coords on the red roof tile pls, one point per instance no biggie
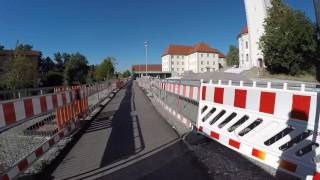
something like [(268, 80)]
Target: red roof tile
[(186, 50), (151, 67), (24, 53), (244, 31)]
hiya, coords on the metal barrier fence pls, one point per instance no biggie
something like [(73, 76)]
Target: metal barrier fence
[(275, 124), (17, 142), (28, 92)]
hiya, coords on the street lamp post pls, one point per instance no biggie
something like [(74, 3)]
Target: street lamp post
[(146, 46)]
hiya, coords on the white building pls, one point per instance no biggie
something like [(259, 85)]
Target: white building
[(250, 54), (198, 58)]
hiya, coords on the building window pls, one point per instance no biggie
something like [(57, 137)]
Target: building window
[(172, 62), (247, 45), (172, 69), (208, 63), (207, 54), (201, 55), (178, 63), (213, 63), (201, 62), (201, 69), (247, 57), (177, 69), (172, 57), (182, 69), (182, 63)]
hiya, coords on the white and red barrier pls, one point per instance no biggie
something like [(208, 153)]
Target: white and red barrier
[(24, 163), (12, 112), (274, 126), (188, 91), (184, 120)]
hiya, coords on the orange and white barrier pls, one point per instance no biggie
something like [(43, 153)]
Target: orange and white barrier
[(14, 111), (277, 127)]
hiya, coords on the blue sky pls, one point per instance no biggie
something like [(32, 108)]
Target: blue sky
[(118, 28)]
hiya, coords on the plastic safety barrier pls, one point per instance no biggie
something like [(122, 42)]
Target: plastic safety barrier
[(188, 91), (277, 127)]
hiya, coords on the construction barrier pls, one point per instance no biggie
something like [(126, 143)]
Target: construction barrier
[(277, 127), (68, 111)]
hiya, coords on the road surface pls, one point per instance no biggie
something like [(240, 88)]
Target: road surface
[(128, 140)]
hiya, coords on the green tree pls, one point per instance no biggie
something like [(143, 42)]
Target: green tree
[(1, 47), (23, 47), (232, 57), (289, 43), (106, 69), (21, 72), (53, 79), (76, 69), (126, 74), (91, 74)]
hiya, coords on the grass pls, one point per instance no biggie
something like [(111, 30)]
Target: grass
[(264, 74)]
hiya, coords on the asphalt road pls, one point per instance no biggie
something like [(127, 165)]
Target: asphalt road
[(129, 140)]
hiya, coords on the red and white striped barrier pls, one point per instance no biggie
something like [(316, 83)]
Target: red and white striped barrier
[(24, 163), (188, 91), (14, 111), (274, 126), (176, 114)]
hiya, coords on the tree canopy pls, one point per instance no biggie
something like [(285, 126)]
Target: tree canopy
[(289, 43), (106, 69), (23, 47), (126, 74), (76, 69), (20, 72), (232, 57)]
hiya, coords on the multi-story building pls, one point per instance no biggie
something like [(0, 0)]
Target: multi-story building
[(198, 58), (7, 55), (250, 54)]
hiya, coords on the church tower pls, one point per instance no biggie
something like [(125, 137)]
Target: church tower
[(256, 12)]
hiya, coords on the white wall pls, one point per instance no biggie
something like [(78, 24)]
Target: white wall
[(256, 12), (244, 52), (166, 63)]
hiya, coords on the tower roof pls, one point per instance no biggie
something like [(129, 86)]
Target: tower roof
[(243, 31)]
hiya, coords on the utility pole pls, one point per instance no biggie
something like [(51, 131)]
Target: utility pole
[(146, 46)]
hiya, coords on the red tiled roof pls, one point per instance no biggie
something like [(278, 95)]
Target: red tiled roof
[(186, 50), (178, 49), (244, 31), (151, 67), (24, 53)]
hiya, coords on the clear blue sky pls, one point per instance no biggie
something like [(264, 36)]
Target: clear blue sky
[(118, 28)]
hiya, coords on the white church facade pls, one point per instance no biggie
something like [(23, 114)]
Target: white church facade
[(250, 54)]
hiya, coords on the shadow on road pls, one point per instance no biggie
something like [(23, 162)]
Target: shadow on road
[(126, 137)]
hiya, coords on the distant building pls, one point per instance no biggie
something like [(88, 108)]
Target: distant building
[(250, 54), (153, 70), (6, 55), (198, 59)]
